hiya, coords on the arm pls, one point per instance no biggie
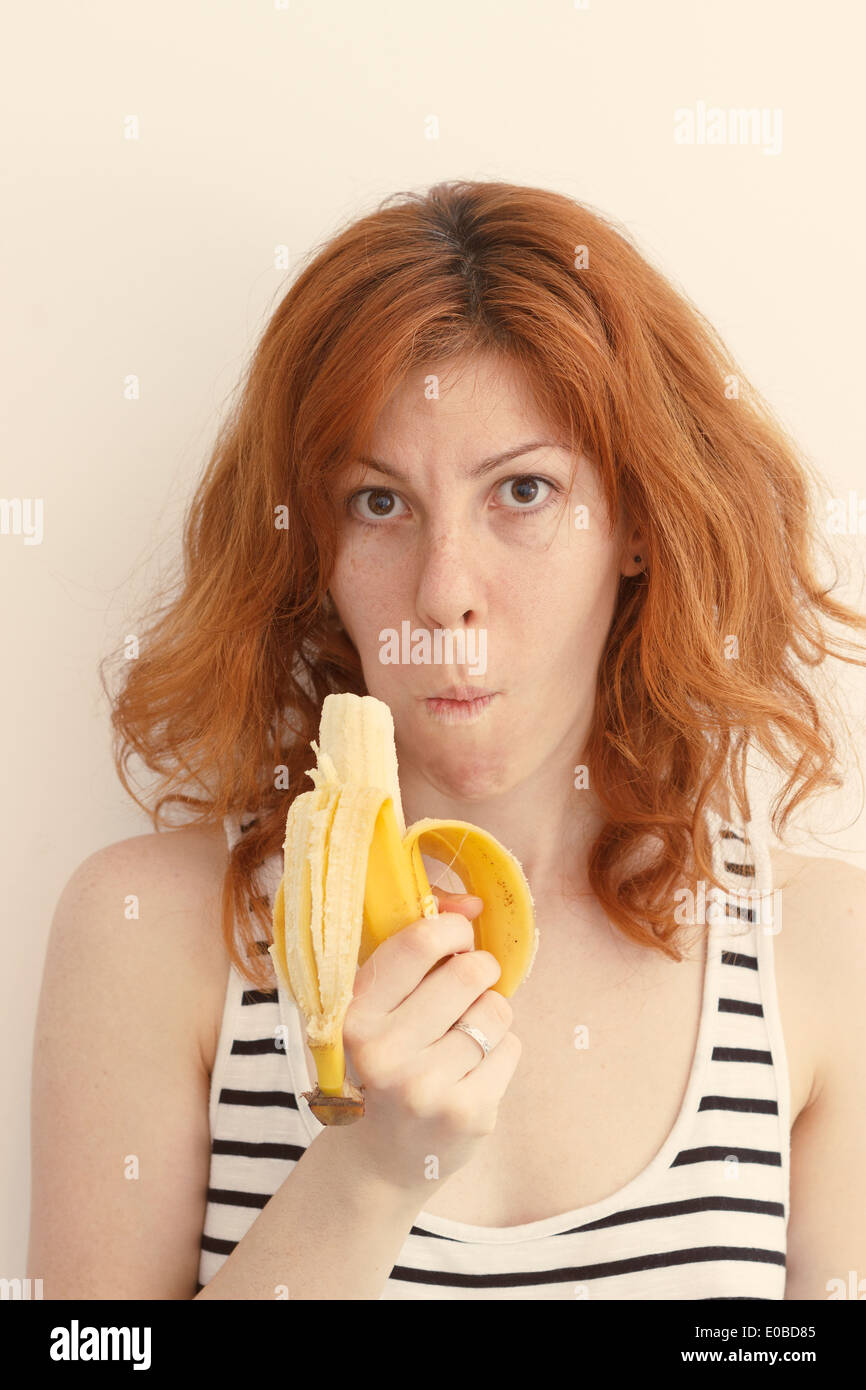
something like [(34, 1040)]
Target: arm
[(125, 1037), (827, 1225), (332, 1230), (119, 1115)]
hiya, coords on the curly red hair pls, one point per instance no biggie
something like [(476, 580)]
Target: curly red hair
[(227, 691)]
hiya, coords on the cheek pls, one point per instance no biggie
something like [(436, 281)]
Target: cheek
[(364, 588), (568, 595)]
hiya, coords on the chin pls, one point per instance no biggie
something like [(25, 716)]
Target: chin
[(472, 779)]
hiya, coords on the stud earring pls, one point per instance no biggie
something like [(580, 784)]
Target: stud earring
[(330, 609)]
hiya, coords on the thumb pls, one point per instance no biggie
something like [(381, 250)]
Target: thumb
[(467, 904)]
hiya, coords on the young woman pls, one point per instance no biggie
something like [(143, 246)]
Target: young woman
[(479, 410)]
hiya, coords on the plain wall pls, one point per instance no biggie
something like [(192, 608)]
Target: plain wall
[(264, 126)]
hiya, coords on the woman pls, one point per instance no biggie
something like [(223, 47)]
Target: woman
[(478, 410)]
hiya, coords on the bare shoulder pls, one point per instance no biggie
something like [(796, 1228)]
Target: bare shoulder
[(133, 981), (823, 898), (167, 886), (820, 952), (190, 849)]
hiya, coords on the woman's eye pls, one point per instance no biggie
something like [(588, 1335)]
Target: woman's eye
[(524, 491), (378, 502)]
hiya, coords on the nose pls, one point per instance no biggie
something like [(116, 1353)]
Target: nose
[(449, 591)]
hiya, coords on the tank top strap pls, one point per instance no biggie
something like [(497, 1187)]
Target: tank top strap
[(742, 939), (267, 875), (741, 860)]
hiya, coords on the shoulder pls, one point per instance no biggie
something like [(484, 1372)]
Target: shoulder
[(823, 912), (120, 1070), (193, 847), (147, 910), (820, 946), (169, 881), (824, 898)]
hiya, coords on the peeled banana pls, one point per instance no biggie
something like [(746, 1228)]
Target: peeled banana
[(353, 875)]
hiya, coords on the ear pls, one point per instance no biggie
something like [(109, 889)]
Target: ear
[(634, 558)]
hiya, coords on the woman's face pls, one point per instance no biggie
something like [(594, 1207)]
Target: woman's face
[(494, 555)]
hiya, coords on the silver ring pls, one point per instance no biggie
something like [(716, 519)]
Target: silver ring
[(476, 1033)]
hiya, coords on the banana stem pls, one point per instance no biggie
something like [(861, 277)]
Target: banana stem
[(335, 1101)]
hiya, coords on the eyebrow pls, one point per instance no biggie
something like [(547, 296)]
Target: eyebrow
[(480, 468)]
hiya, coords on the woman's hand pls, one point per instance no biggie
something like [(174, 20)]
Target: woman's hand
[(430, 1093)]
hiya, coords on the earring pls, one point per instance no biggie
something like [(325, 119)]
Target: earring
[(331, 611)]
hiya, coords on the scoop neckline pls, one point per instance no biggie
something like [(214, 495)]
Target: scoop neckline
[(429, 1222)]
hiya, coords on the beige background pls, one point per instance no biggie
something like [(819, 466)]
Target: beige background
[(264, 127)]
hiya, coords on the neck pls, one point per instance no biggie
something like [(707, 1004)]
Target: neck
[(546, 823)]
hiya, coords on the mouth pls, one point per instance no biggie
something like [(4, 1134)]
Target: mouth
[(461, 692), (459, 702)]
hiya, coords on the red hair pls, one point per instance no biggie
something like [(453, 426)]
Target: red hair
[(227, 691)]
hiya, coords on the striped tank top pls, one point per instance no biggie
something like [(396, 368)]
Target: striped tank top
[(706, 1219)]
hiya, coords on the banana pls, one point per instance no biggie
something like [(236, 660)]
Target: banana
[(354, 874)]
